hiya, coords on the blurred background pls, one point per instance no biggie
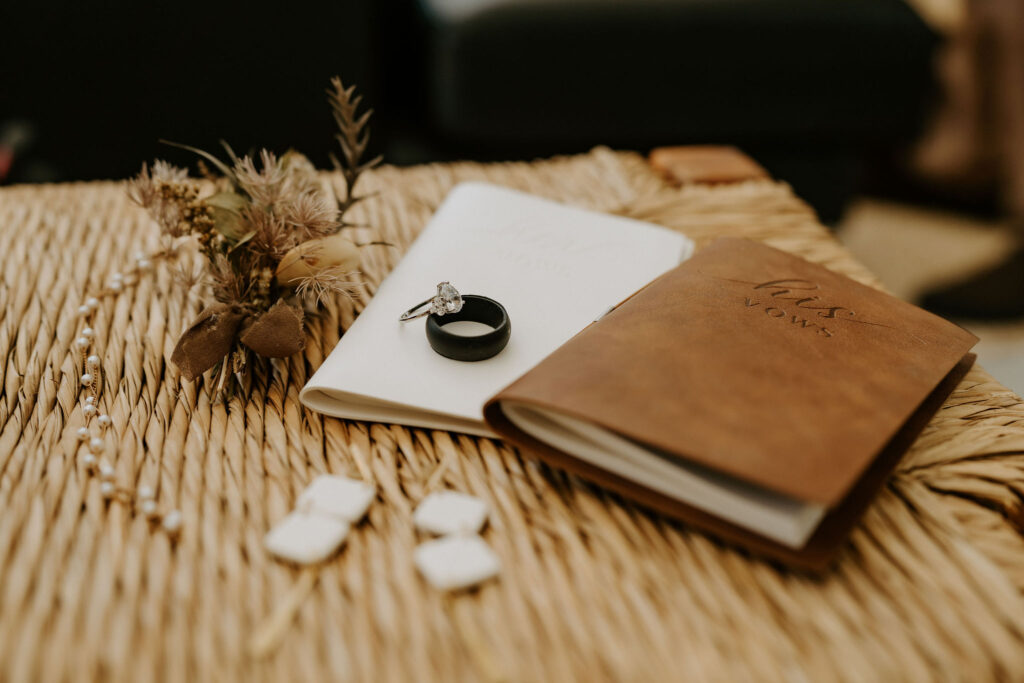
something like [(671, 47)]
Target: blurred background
[(900, 121)]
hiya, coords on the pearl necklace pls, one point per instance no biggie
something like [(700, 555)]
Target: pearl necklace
[(143, 500)]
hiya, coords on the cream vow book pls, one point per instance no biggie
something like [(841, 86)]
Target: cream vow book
[(555, 268)]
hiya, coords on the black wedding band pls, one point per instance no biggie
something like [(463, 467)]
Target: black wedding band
[(479, 309)]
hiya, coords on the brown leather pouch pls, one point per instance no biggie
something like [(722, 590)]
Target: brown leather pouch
[(758, 365)]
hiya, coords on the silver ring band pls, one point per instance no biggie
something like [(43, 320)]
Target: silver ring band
[(412, 313), (446, 301)]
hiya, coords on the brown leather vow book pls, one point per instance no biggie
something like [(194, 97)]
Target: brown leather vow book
[(749, 392)]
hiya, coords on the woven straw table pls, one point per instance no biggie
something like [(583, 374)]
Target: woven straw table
[(593, 588)]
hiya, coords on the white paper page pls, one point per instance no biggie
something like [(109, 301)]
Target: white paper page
[(780, 518), (555, 269)]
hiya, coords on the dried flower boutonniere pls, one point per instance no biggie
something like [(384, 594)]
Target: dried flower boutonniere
[(270, 229)]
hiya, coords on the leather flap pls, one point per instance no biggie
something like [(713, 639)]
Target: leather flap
[(755, 363)]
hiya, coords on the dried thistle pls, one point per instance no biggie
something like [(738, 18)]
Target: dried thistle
[(143, 188), (264, 186), (228, 284), (271, 236), (311, 214), (353, 138), (320, 286)]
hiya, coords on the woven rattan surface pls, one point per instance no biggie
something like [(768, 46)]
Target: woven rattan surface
[(593, 588)]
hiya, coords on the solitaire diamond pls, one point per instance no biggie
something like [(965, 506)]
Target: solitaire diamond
[(448, 300), (445, 302)]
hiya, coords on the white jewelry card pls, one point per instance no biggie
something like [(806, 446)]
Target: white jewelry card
[(456, 562), (306, 537), (450, 512), (555, 268)]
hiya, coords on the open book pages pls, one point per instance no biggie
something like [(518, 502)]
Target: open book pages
[(555, 268), (783, 519)]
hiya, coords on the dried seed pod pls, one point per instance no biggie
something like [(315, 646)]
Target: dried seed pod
[(314, 256)]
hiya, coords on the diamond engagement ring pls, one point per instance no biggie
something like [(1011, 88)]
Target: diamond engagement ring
[(445, 302), (448, 306)]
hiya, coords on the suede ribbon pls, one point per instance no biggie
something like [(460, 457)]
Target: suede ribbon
[(275, 333)]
